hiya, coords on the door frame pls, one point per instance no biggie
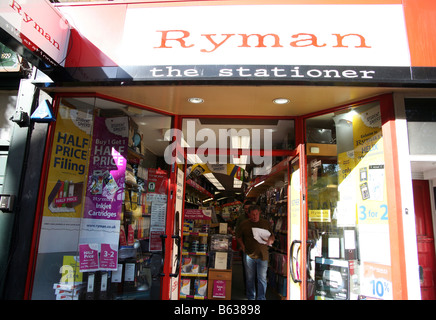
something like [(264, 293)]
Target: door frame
[(300, 278)]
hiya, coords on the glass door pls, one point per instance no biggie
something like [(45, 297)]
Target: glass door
[(176, 237), (296, 227), (348, 239)]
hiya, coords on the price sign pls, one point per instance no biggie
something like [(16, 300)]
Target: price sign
[(372, 213), (108, 257), (377, 281)]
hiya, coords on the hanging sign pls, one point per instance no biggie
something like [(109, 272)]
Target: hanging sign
[(100, 226), (38, 27), (43, 113)]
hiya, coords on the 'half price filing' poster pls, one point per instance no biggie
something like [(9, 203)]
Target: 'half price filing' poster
[(65, 183)]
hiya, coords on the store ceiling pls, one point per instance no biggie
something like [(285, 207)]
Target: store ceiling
[(236, 100)]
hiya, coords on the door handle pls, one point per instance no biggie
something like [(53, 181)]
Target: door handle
[(291, 264), (162, 261), (177, 241), (310, 244)]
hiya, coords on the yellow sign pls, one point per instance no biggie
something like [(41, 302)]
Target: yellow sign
[(370, 169), (69, 157), (319, 215)]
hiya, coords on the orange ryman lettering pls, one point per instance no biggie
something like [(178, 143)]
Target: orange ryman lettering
[(211, 42)]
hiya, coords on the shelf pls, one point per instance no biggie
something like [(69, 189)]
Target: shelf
[(195, 275), (199, 188), (320, 149), (194, 253), (262, 183), (134, 156), (195, 297), (200, 234)]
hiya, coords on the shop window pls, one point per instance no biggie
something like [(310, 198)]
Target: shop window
[(8, 100), (421, 125), (347, 211), (104, 204)]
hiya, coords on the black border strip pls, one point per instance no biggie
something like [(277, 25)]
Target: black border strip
[(251, 74)]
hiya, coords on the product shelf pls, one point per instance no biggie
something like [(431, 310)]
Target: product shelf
[(195, 297), (195, 275)]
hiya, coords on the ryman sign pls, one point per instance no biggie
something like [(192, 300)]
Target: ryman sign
[(38, 27), (256, 42)]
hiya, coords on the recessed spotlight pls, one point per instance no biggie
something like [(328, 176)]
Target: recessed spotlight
[(281, 101), (195, 100)]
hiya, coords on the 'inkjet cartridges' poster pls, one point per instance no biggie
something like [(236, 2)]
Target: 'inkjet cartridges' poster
[(104, 195)]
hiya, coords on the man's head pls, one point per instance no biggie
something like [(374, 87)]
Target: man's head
[(247, 205), (254, 213)]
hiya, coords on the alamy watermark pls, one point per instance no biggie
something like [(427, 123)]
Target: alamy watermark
[(259, 139)]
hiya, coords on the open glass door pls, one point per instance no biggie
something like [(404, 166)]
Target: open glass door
[(339, 239), (348, 239), (177, 157), (296, 234), (176, 238)]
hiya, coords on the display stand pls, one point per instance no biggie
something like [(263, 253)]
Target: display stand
[(219, 284), (196, 228)]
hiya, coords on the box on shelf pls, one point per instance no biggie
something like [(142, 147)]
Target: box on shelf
[(332, 278), (220, 242)]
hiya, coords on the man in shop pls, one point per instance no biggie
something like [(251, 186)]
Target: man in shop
[(254, 236), (242, 217), (244, 214)]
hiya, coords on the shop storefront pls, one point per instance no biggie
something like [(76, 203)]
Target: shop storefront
[(126, 208)]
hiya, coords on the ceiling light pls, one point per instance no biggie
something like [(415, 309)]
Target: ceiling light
[(195, 100), (237, 183), (214, 181), (259, 183), (281, 101)]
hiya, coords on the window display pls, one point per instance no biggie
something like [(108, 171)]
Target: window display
[(347, 206), (105, 204)]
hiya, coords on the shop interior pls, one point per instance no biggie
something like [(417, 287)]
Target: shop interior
[(217, 180), (220, 193)]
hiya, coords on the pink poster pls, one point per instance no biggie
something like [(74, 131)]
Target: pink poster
[(219, 289), (88, 255), (107, 169), (100, 225), (108, 257)]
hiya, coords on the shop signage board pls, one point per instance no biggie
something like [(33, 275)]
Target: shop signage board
[(38, 27), (325, 43), (198, 214)]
